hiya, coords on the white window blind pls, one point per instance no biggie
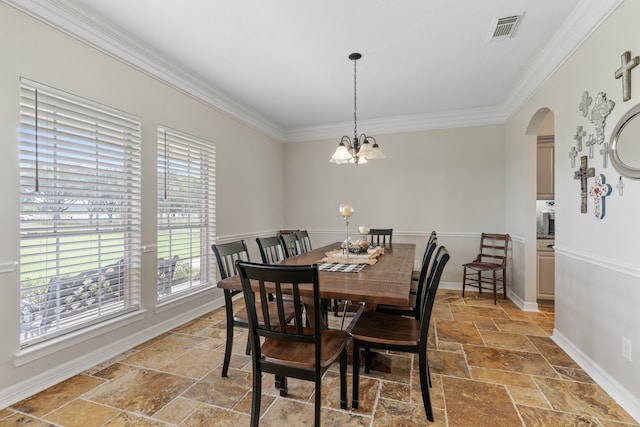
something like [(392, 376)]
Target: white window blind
[(186, 212), (79, 212)]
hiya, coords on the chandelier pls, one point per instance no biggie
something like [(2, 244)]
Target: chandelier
[(360, 149)]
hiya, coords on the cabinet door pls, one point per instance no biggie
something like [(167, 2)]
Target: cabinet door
[(544, 175), (546, 275)]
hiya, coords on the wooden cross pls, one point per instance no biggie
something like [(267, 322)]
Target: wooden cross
[(590, 143), (605, 154), (582, 174), (599, 191), (572, 155), (578, 137), (625, 72), (620, 186)]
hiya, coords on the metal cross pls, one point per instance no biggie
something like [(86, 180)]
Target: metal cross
[(572, 155), (578, 137), (590, 143), (599, 191), (620, 186), (605, 154), (625, 72), (582, 174)]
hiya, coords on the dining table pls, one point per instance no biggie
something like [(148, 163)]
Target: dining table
[(388, 281)]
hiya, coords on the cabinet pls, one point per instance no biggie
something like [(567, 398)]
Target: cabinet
[(546, 265), (544, 176)]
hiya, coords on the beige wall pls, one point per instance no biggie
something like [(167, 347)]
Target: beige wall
[(249, 178), (597, 266)]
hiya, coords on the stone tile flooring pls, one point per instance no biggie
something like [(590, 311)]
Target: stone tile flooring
[(490, 366)]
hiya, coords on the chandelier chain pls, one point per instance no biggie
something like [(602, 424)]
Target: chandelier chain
[(355, 101)]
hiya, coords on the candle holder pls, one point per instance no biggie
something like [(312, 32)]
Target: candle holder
[(346, 211)]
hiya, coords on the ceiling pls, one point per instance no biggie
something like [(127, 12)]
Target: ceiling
[(282, 66)]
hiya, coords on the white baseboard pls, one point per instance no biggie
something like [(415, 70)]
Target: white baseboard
[(22, 390), (621, 395)]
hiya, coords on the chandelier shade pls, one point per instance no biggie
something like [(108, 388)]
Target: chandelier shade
[(359, 149)]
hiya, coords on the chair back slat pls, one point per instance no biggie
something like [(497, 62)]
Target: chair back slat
[(291, 244), (304, 239), (493, 248)]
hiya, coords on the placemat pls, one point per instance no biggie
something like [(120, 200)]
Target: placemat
[(341, 267)]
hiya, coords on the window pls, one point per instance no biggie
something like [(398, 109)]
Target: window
[(186, 213), (79, 212)]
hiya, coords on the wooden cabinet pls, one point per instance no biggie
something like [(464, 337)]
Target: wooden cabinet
[(546, 269), (544, 176)]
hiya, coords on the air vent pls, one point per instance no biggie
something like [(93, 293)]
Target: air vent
[(504, 28)]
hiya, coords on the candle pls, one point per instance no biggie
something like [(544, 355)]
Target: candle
[(346, 210)]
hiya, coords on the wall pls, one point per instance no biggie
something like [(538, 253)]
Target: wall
[(451, 181), (249, 177), (597, 267)]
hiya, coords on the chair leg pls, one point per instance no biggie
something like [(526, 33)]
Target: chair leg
[(367, 360), (248, 350), (255, 398), (479, 282), (464, 280), (229, 342), (424, 382), (504, 282), (318, 401), (495, 289), (343, 379), (356, 374)]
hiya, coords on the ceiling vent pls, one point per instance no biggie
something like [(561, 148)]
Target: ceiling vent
[(504, 28)]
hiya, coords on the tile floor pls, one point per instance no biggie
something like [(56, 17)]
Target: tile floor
[(490, 365)]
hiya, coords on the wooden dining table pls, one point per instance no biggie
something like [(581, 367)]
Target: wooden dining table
[(388, 281)]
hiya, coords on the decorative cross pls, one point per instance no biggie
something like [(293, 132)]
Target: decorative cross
[(578, 137), (605, 154), (590, 143), (599, 191), (572, 155), (625, 72), (582, 174), (598, 115), (620, 186), (584, 105)]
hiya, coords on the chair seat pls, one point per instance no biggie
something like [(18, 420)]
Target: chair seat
[(477, 265), (387, 329), (241, 314), (302, 355), (410, 307)]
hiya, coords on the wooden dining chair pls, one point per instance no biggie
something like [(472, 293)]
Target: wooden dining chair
[(400, 333), (272, 250), (289, 350), (413, 309), (491, 259), (305, 241), (415, 276), (227, 254), (291, 244), (381, 236)]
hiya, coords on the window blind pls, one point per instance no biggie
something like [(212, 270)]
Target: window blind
[(186, 212), (79, 212)]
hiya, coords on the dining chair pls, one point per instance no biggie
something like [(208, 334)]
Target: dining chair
[(272, 250), (289, 350), (305, 241), (413, 309), (400, 333), (227, 254), (491, 259), (381, 236), (415, 276), (291, 244)]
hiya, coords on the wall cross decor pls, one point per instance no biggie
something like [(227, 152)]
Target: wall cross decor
[(624, 72), (582, 174), (605, 154), (572, 155), (620, 186), (599, 191), (598, 115), (584, 104), (590, 143), (578, 138)]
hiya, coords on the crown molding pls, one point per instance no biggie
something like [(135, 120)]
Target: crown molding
[(80, 24), (579, 25)]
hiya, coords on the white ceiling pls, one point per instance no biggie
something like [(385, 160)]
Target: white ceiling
[(282, 66)]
